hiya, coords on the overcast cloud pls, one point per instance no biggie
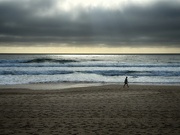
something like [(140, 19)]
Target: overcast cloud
[(80, 23)]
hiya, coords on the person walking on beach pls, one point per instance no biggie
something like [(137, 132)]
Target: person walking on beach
[(126, 82)]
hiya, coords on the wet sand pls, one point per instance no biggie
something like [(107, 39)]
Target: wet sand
[(97, 110)]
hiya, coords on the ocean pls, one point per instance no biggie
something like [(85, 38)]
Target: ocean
[(141, 69)]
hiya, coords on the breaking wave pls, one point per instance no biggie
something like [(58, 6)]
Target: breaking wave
[(98, 72)]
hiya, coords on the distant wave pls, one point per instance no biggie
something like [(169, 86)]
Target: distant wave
[(68, 63), (42, 60), (54, 72), (37, 60), (52, 62)]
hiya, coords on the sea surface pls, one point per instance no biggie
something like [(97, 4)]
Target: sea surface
[(143, 69)]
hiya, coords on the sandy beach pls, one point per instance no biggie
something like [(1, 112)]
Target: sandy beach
[(94, 110)]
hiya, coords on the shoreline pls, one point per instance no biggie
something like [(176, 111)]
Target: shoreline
[(71, 85), (49, 86)]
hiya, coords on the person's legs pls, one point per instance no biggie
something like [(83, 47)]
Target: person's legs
[(125, 85)]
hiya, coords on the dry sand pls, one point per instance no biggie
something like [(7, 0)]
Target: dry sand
[(99, 110)]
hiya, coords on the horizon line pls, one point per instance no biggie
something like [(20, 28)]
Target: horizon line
[(89, 53)]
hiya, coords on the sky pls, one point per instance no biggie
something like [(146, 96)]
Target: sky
[(92, 26)]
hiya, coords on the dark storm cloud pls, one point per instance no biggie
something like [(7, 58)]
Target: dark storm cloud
[(40, 22)]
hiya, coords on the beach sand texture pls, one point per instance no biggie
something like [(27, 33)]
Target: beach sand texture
[(99, 110)]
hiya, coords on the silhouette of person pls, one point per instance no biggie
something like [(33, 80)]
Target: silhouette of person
[(126, 82)]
